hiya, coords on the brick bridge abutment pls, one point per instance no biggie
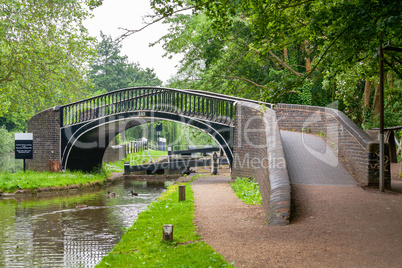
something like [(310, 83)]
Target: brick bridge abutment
[(45, 127), (258, 153), (347, 139)]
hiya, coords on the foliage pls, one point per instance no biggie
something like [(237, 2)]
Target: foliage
[(339, 33), (44, 53), (34, 180), (142, 245), (111, 71), (6, 141), (9, 164), (306, 52), (247, 190), (230, 63)]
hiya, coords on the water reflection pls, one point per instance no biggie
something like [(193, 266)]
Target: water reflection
[(54, 233)]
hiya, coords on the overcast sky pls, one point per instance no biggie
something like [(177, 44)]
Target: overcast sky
[(128, 14)]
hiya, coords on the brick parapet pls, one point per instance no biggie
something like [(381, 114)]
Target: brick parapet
[(45, 127), (346, 138), (258, 153)]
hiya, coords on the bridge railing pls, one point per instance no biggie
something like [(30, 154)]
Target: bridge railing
[(216, 109), (267, 104)]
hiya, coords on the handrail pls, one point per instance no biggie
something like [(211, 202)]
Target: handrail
[(218, 109), (269, 105)]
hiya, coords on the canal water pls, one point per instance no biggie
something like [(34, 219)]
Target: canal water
[(53, 232)]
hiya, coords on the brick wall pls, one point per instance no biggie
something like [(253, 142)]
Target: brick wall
[(258, 154), (347, 139), (45, 127)]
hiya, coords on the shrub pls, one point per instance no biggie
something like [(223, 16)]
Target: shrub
[(6, 141), (247, 190)]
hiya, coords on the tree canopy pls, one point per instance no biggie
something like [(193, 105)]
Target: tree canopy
[(338, 33), (45, 52), (111, 70), (302, 51)]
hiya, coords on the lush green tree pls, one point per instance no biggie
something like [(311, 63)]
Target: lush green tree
[(6, 141), (339, 33), (334, 46), (111, 70), (228, 63), (44, 55)]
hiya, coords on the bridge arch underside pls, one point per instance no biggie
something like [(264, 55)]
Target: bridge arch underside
[(83, 145)]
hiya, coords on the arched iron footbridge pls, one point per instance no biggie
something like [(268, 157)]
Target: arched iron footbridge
[(88, 126)]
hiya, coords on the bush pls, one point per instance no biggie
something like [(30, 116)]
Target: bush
[(247, 190), (6, 141)]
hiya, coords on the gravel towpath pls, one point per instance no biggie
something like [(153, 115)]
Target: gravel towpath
[(334, 223), (332, 226)]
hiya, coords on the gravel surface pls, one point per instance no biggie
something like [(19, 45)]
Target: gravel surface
[(332, 226)]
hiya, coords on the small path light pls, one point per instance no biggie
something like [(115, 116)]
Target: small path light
[(182, 192), (168, 232)]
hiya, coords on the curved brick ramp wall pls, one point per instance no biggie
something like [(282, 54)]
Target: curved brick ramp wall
[(258, 153), (346, 138)]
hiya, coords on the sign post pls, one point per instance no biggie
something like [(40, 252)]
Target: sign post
[(23, 146)]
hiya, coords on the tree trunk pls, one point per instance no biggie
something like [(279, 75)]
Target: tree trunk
[(308, 56), (376, 102), (285, 54), (391, 80), (367, 93)]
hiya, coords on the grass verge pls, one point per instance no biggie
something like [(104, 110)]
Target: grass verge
[(142, 245), (9, 182), (31, 180), (247, 190), (136, 159)]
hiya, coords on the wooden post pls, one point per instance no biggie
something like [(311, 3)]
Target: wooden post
[(168, 232), (182, 192), (214, 164), (54, 166)]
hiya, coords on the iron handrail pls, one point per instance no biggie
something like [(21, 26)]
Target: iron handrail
[(198, 105), (267, 104)]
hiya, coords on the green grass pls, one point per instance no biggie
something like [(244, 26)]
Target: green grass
[(9, 182), (136, 158), (31, 180), (142, 245), (247, 190)]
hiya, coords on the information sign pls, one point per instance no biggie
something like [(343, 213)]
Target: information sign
[(23, 145)]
